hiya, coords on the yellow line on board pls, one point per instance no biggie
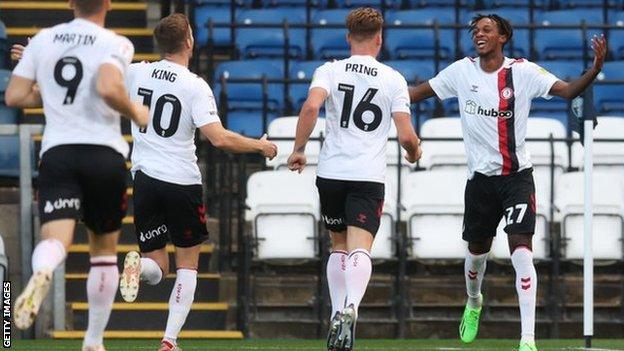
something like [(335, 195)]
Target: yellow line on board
[(82, 276), (30, 31), (123, 248), (158, 306), (64, 5)]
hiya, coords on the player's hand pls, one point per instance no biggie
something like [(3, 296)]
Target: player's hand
[(141, 114), (415, 156), (267, 149), (17, 51), (599, 45), (297, 161)]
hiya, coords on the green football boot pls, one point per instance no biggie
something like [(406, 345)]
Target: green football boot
[(469, 326), (527, 346)]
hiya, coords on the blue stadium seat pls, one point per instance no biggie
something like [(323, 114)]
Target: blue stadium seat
[(248, 122), (566, 44), (510, 3), (519, 41), (301, 71), (8, 115), (616, 36), (249, 95), (4, 47), (330, 43), (373, 3), (413, 69), (203, 14), (9, 156), (429, 3), (585, 3), (295, 3), (420, 43), (269, 42), (609, 99)]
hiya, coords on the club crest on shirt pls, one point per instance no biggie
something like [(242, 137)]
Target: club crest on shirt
[(507, 93)]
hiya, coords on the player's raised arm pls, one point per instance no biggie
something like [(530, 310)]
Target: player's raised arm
[(233, 142), (420, 92), (111, 87), (407, 136), (570, 90), (305, 126)]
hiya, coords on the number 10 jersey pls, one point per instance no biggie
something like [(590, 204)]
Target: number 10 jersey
[(179, 102), (64, 60), (362, 95)]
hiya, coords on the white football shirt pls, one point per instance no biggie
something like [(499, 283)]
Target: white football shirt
[(494, 109), (64, 61), (362, 95), (179, 102)]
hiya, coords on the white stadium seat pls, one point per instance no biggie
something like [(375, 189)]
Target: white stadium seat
[(434, 207), (608, 207), (383, 246), (438, 154), (541, 239), (284, 211), (4, 262), (606, 154), (286, 127)]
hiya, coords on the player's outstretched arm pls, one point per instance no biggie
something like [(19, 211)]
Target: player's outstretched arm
[(233, 142), (570, 90), (112, 89), (420, 92), (407, 136), (305, 126), (22, 93)]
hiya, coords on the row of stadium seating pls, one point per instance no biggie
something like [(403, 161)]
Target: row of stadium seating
[(549, 42), (476, 4), (4, 46), (432, 200), (245, 102)]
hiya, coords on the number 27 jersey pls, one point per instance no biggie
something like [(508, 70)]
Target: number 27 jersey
[(64, 60), (362, 95)]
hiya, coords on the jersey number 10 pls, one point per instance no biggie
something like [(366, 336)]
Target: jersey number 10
[(364, 105), (176, 111)]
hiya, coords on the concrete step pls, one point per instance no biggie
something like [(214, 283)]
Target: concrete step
[(49, 13), (207, 288), (153, 316)]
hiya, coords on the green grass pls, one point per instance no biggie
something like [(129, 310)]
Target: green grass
[(318, 345)]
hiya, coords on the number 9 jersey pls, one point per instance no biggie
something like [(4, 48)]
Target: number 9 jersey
[(64, 60), (179, 102), (362, 95)]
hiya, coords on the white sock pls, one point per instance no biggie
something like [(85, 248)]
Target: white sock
[(180, 302), (357, 275), (526, 286), (336, 265), (150, 271), (102, 285), (48, 254), (474, 268)]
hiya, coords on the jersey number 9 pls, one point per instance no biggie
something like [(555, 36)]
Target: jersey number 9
[(70, 84)]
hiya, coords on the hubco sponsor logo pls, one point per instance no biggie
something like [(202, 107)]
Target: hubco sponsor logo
[(473, 109), (151, 234), (332, 221)]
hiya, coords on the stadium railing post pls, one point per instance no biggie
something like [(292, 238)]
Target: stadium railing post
[(243, 268), (287, 107), (555, 247), (265, 105), (401, 242), (585, 42)]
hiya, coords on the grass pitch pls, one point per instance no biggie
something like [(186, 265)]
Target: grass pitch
[(319, 345)]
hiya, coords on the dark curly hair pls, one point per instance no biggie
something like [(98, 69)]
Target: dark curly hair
[(504, 27)]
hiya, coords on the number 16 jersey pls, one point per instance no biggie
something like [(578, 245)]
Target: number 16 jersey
[(64, 60), (362, 95), (179, 102)]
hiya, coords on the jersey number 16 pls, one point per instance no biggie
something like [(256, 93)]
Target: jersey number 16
[(364, 105)]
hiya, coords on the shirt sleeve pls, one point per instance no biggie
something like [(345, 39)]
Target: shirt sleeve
[(540, 81), (120, 53), (400, 99), (204, 109), (445, 84), (27, 65), (321, 78)]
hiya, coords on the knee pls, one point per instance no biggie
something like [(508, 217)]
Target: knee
[(517, 241), (479, 247)]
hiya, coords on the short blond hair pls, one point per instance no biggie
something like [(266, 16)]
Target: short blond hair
[(364, 22)]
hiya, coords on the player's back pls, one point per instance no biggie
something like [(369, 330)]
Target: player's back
[(179, 102), (66, 59), (363, 93)]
